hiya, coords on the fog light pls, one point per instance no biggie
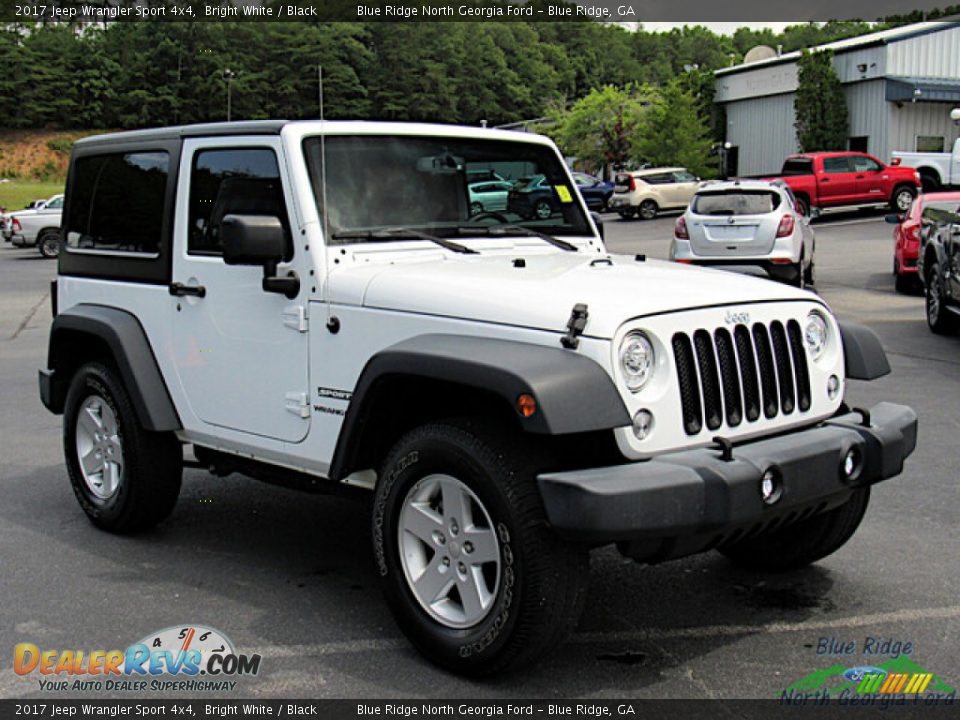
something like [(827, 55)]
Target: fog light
[(851, 463), (770, 487), (642, 424), (833, 387)]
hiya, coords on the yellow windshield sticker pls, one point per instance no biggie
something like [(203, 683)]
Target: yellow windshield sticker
[(563, 192)]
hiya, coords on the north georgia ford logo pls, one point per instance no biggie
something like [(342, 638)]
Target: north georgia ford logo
[(186, 650)]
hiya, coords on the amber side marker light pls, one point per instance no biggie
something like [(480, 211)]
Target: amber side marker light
[(526, 405)]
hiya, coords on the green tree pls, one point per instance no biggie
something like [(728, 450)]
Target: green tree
[(820, 107), (599, 128), (676, 133)]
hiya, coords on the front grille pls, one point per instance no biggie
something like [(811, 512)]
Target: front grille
[(732, 378)]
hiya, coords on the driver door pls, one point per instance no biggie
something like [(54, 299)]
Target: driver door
[(240, 352)]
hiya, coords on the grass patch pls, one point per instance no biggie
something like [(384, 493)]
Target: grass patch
[(14, 195)]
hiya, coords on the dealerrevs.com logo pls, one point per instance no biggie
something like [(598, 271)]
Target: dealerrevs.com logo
[(184, 658)]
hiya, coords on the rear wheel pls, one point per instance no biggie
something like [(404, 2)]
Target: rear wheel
[(939, 318), (648, 210), (49, 243), (930, 181), (802, 543), (803, 206), (125, 478), (542, 210), (473, 574), (475, 208)]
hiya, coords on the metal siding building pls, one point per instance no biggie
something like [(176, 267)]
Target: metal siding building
[(900, 85)]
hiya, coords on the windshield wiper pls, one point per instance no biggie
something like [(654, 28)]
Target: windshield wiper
[(389, 233), (530, 232)]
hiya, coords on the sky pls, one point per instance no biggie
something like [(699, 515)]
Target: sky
[(722, 28)]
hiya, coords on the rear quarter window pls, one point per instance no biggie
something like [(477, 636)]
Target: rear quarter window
[(118, 203), (797, 166)]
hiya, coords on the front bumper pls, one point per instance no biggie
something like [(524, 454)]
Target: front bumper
[(689, 500)]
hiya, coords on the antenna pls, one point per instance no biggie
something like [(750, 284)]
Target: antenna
[(333, 324)]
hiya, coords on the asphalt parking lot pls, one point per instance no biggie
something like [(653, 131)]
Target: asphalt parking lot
[(291, 576)]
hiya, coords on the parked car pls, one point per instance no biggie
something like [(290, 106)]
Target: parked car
[(937, 170), (939, 266), (596, 192), (837, 179), (747, 223), (532, 197), (511, 399), (39, 227), (488, 196), (906, 236), (645, 193)]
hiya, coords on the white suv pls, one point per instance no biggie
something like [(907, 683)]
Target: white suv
[(313, 304), (747, 223), (645, 193)]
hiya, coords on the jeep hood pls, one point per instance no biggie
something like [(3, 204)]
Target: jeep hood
[(541, 293)]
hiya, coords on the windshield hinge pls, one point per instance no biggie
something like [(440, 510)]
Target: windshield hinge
[(297, 403), (295, 317), (575, 326)]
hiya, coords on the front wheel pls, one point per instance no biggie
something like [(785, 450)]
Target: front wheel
[(125, 478), (802, 543), (469, 567), (542, 210)]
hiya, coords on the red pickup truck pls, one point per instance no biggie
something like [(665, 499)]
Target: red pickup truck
[(834, 179)]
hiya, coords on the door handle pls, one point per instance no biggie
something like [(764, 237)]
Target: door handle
[(823, 180), (179, 290), (859, 177)]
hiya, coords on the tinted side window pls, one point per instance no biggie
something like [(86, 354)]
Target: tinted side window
[(864, 164), (118, 202), (684, 176), (234, 181), (797, 166), (836, 165), (657, 179)]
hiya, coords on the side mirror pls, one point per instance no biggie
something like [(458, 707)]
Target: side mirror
[(598, 221), (258, 240), (893, 219)]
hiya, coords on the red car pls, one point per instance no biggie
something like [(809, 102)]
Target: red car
[(906, 236), (836, 179)]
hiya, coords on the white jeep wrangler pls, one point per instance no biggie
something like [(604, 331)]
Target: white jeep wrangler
[(313, 304)]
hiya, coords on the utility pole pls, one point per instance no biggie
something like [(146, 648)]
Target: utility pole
[(228, 76)]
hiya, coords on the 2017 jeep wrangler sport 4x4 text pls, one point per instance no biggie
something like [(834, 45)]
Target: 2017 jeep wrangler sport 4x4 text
[(314, 304)]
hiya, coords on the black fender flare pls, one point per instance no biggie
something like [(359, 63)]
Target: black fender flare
[(863, 354), (574, 394), (125, 339)]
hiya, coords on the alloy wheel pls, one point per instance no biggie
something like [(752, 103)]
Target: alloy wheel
[(99, 447)]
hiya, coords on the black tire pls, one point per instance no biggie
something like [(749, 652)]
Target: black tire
[(149, 482), (898, 201), (648, 210), (475, 208), (802, 543), (939, 318), (542, 210), (930, 181), (904, 284), (542, 585), (49, 244)]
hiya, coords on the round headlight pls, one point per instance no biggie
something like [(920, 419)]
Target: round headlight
[(636, 360), (815, 335)]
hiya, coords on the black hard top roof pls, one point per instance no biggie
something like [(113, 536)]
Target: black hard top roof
[(245, 127)]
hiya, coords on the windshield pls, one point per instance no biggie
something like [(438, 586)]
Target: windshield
[(376, 183), (736, 202)]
